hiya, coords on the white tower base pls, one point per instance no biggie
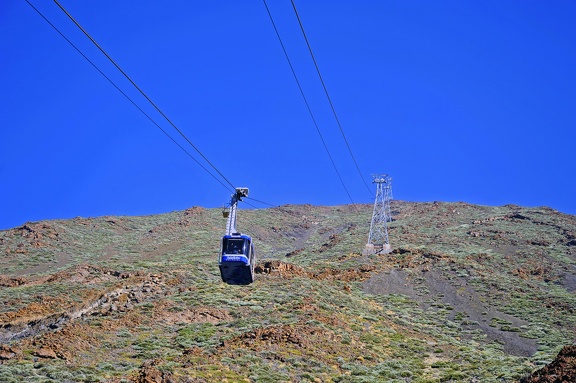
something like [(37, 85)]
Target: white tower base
[(377, 249)]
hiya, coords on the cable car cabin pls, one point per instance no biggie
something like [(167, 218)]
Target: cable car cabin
[(237, 259)]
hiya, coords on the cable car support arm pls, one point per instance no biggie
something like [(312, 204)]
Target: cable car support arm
[(237, 196)]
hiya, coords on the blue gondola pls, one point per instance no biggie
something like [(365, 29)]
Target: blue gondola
[(237, 259)]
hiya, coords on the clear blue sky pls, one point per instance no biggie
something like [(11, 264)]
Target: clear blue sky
[(470, 101)]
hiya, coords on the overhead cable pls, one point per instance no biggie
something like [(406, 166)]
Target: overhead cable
[(125, 95), (328, 96), (306, 101), (262, 202), (142, 92)]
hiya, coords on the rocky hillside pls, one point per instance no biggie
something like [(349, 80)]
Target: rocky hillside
[(469, 294)]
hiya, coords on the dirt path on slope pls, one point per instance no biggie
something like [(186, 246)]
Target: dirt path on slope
[(462, 298)]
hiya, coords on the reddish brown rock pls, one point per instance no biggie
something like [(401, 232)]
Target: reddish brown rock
[(149, 373), (561, 370), (6, 352), (45, 353)]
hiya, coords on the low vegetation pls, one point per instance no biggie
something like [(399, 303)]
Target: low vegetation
[(469, 294)]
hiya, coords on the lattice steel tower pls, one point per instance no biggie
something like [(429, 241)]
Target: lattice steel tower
[(378, 237)]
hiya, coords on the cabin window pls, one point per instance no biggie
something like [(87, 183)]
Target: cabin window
[(233, 246)]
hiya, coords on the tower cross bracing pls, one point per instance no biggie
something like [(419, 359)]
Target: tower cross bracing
[(378, 241)]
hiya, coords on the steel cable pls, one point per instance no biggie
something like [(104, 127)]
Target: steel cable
[(124, 94), (306, 101), (142, 92), (328, 97)]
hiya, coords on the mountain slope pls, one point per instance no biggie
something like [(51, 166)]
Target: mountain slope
[(470, 293)]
